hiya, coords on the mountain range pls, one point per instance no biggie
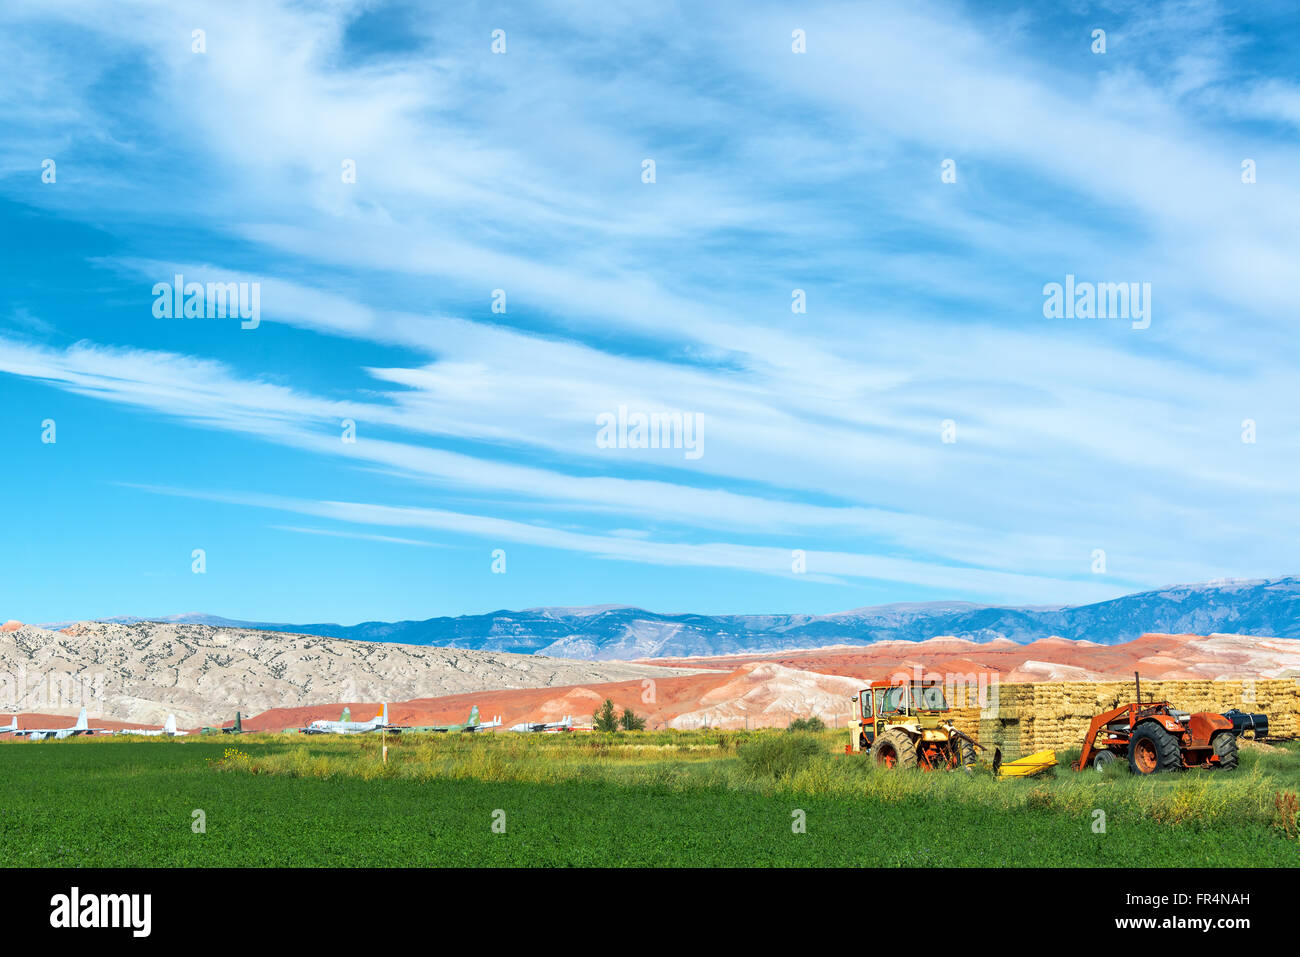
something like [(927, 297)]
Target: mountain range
[(618, 632)]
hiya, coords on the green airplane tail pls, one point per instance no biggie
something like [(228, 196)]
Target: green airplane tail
[(347, 715), (473, 717)]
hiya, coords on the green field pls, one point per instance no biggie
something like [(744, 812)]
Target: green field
[(692, 799)]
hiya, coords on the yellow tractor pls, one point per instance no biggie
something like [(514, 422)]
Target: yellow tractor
[(907, 726)]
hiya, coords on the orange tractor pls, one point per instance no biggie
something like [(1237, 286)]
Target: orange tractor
[(1154, 736)]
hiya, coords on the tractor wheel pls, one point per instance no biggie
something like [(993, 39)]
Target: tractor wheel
[(1103, 760), (1225, 746), (966, 756), (894, 750), (1152, 749)]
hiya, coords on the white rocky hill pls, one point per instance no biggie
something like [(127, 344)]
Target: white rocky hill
[(145, 670)]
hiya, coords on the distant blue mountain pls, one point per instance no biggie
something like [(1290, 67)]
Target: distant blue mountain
[(1258, 607)]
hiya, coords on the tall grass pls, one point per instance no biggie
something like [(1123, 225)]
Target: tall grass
[(799, 763), (779, 756)]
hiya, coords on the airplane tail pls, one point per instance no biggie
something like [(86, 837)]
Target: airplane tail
[(473, 717), (81, 724), (239, 725), (382, 717), (346, 715), (169, 726), (12, 725)]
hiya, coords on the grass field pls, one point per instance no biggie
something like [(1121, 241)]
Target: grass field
[(696, 799)]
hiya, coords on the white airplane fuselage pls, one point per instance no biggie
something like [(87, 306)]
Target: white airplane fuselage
[(342, 727), (168, 729), (542, 727), (378, 722)]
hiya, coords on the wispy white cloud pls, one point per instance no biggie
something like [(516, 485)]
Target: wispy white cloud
[(362, 536), (206, 393), (758, 559), (775, 171)]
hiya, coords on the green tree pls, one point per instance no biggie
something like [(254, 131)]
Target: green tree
[(605, 719), (631, 721)]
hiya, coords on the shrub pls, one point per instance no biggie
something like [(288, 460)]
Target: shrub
[(807, 724), (779, 756), (631, 721)]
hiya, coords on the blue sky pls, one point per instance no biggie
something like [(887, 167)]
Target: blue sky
[(820, 432)]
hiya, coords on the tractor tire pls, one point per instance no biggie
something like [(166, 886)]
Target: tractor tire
[(966, 756), (1152, 750), (1103, 760), (894, 750), (1225, 746)]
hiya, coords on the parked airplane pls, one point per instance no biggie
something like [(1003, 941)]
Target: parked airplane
[(553, 727), (471, 724), (168, 729), (40, 734), (343, 726), (474, 724), (236, 728)]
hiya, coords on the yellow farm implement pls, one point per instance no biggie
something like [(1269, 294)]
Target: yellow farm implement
[(1023, 767)]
